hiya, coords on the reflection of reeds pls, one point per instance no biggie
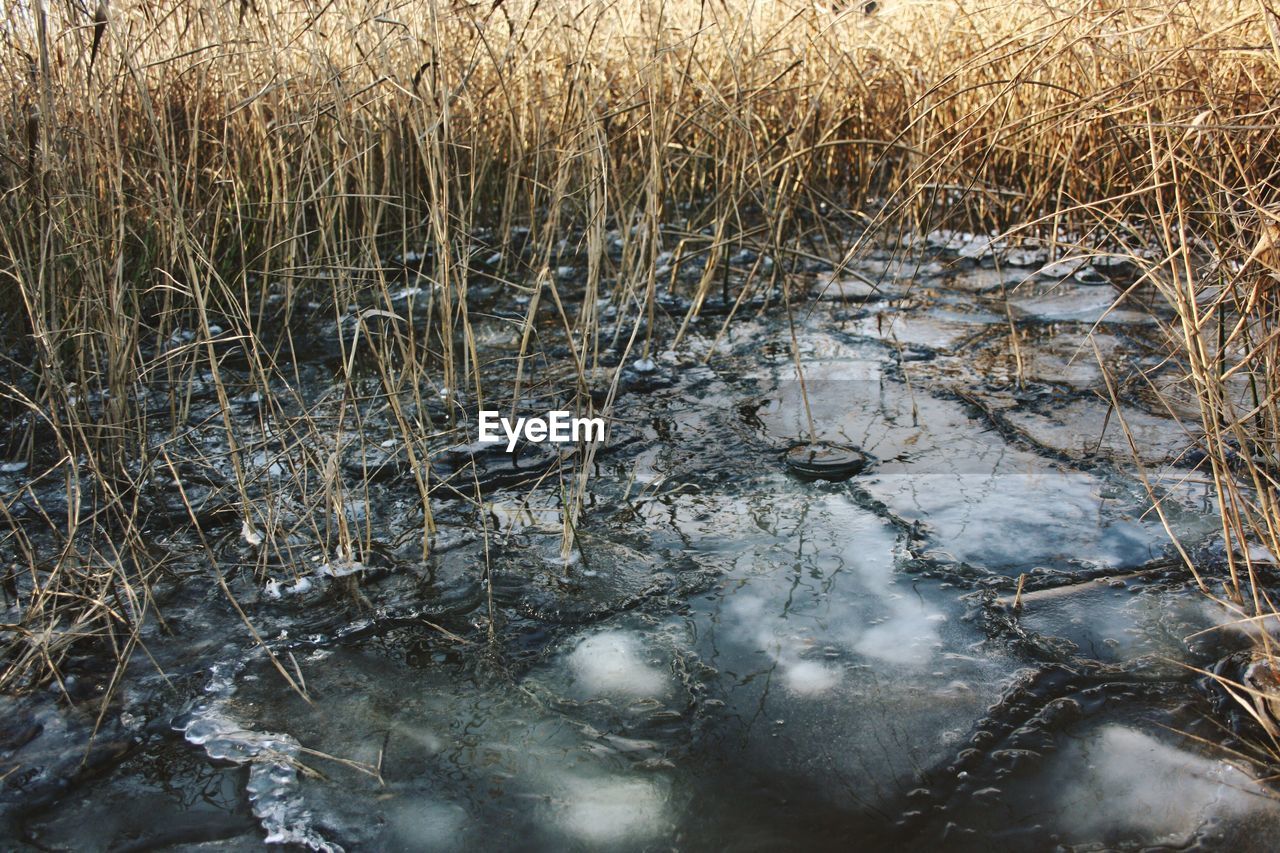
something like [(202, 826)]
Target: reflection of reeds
[(226, 164)]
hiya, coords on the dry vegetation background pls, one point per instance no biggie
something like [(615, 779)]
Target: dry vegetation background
[(206, 167)]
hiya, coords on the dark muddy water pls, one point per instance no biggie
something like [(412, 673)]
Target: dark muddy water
[(733, 656)]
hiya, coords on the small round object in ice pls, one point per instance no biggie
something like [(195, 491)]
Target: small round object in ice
[(613, 663), (824, 460)]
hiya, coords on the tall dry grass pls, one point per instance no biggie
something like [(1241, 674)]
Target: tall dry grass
[(187, 180)]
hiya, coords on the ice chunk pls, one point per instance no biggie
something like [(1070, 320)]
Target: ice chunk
[(829, 286), (1026, 514), (1115, 621), (340, 568), (273, 776), (1081, 428)]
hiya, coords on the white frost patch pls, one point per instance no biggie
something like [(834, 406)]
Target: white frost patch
[(603, 811), (249, 534), (1120, 782), (905, 630), (613, 662), (810, 678), (908, 637), (270, 464)]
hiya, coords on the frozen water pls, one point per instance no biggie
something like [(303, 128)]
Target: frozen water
[(1021, 515), (339, 568), (1078, 303), (1024, 257), (614, 663), (273, 774), (810, 678), (603, 812), (1083, 428), (876, 619), (853, 289), (1119, 785), (938, 329), (1062, 268), (1120, 620), (980, 499), (735, 658), (276, 590), (1107, 784), (420, 823), (820, 609)]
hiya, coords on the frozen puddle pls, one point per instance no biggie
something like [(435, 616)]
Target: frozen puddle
[(1078, 304), (423, 824), (734, 657), (466, 765), (1116, 787), (1086, 428), (272, 760)]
